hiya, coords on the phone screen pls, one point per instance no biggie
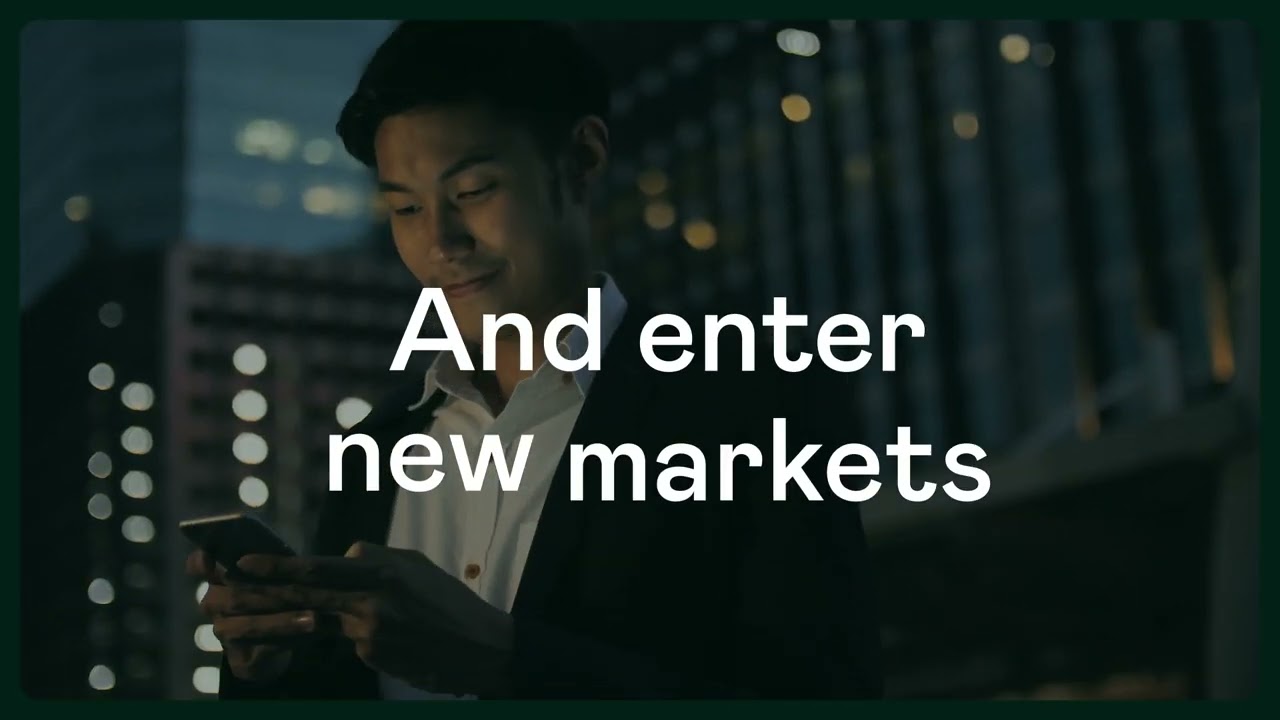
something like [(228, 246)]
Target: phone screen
[(227, 538)]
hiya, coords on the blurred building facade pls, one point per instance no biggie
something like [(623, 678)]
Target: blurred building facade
[(212, 131), (1060, 202), (214, 379), (1066, 205), (267, 354)]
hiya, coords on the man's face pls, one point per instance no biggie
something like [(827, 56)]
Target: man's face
[(475, 211)]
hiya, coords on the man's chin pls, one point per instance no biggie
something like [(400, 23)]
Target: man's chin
[(469, 313), (470, 318)]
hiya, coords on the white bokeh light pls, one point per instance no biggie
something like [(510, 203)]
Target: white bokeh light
[(249, 359), (205, 680), (798, 42), (136, 484), (100, 464), (254, 492), (136, 440), (111, 314), (206, 640), (249, 405), (138, 529), (100, 506), (102, 376), (102, 677), (138, 396), (351, 411), (101, 592), (249, 448)]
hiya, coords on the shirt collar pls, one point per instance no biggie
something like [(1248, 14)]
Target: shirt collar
[(444, 373)]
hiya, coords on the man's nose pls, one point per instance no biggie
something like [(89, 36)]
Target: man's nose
[(450, 240)]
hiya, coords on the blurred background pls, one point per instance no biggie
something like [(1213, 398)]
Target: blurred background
[(208, 289)]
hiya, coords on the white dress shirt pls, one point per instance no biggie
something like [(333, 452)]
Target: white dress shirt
[(483, 538)]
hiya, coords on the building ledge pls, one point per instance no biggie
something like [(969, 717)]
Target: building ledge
[(1196, 433)]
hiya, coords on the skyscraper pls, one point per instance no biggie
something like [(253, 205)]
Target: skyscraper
[(217, 132), (166, 384)]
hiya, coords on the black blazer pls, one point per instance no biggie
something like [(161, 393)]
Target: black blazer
[(654, 599)]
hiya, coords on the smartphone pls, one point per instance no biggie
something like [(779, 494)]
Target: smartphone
[(227, 538)]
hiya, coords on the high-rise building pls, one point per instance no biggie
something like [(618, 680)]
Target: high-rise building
[(101, 120), (165, 384), (1062, 204), (216, 132), (1052, 199), (267, 354), (93, 486)]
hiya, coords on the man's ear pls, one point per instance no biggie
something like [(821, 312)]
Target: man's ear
[(588, 156)]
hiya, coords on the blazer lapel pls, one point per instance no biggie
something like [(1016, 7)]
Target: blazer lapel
[(615, 411)]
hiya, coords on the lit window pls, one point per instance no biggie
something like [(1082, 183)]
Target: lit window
[(136, 440), (652, 182), (102, 376), (965, 125), (249, 359), (700, 234), (100, 464), (659, 215), (205, 680), (317, 152), (138, 396), (254, 492), (351, 411), (796, 108), (267, 138), (101, 677), (100, 506), (138, 529), (798, 42), (1015, 48), (136, 484), (249, 448), (101, 592), (76, 208), (249, 405), (320, 200), (206, 640), (329, 200), (111, 314)]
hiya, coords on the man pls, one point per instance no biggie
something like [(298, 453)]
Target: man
[(487, 140)]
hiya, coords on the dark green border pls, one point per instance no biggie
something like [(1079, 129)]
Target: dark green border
[(1253, 11)]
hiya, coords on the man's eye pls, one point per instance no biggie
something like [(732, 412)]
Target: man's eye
[(407, 210), (478, 192)]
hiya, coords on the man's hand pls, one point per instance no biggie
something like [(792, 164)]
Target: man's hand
[(406, 616), (256, 643)]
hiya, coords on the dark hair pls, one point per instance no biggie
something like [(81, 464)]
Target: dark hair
[(536, 72)]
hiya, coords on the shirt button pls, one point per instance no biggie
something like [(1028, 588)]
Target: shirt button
[(472, 571)]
